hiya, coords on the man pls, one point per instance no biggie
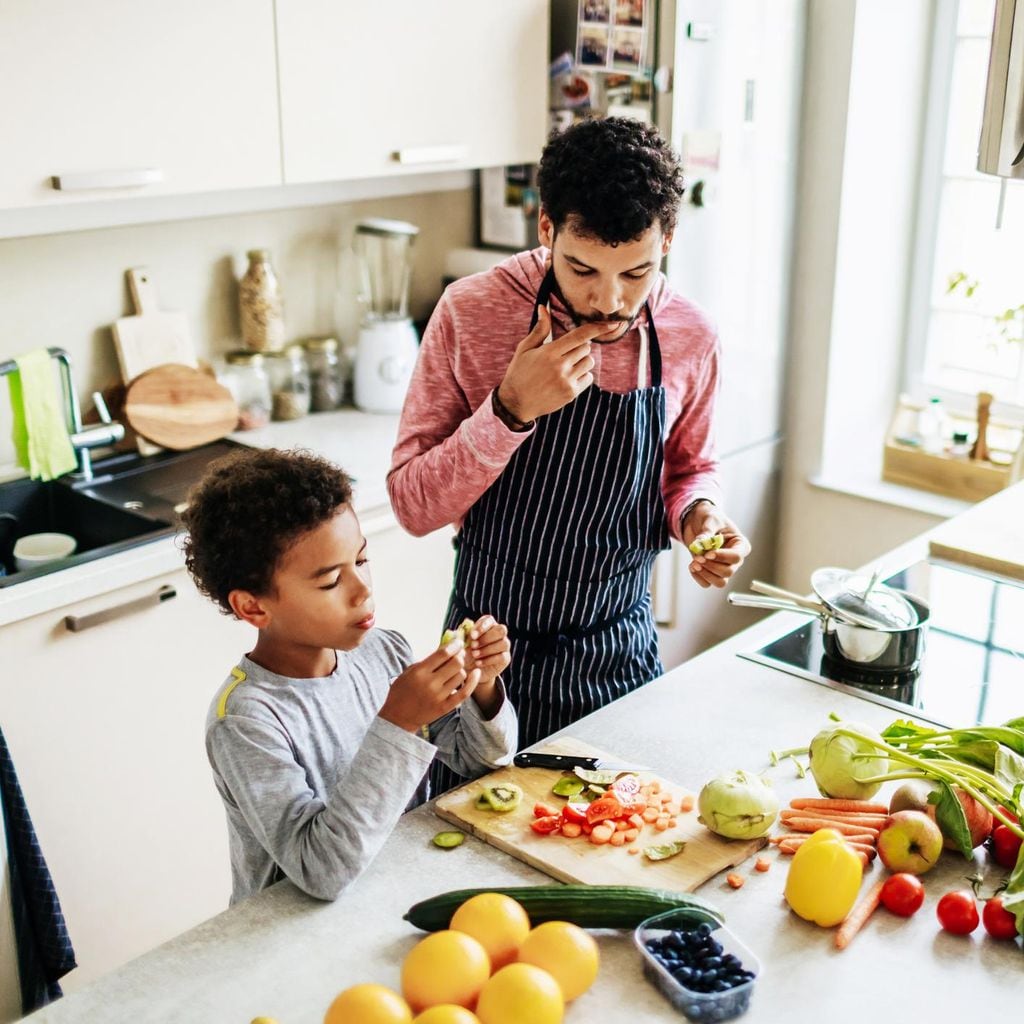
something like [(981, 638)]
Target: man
[(567, 457)]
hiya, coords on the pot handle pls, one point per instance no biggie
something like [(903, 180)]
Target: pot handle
[(810, 603), (774, 603)]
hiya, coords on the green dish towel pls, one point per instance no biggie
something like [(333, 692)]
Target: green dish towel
[(40, 431)]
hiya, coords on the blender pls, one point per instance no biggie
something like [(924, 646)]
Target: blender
[(388, 343)]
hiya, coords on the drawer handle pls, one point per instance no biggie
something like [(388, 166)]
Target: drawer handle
[(78, 623), (132, 177), (430, 155)]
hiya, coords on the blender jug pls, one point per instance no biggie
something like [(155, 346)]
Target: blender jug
[(388, 343)]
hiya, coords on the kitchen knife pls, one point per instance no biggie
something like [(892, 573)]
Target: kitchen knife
[(567, 762)]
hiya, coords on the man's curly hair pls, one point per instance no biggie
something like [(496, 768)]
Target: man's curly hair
[(249, 509), (612, 177)]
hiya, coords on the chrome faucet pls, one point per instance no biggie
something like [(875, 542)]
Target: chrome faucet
[(83, 439)]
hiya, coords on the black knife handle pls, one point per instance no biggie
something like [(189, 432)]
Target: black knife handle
[(566, 762)]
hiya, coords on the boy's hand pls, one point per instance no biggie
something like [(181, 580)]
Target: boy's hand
[(430, 688), (489, 654)]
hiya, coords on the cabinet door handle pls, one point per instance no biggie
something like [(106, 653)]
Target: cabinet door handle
[(78, 623), (430, 154), (131, 177)]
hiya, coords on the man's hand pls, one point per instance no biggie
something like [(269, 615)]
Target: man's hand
[(713, 568), (430, 688), (543, 378), (489, 655)]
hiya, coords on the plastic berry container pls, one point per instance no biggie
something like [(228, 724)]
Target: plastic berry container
[(694, 1004)]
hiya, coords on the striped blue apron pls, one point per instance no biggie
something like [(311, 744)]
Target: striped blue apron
[(560, 548)]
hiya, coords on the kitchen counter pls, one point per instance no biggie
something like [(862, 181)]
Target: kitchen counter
[(361, 443), (286, 955)]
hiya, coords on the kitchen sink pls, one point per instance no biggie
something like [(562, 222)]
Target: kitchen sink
[(130, 500)]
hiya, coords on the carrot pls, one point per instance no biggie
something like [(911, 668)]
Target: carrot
[(862, 837), (621, 826), (686, 804), (632, 835), (634, 849), (792, 845), (651, 815), (662, 824), (858, 917), (618, 839), (601, 834), (672, 822), (871, 820), (736, 881), (813, 824), (636, 821), (821, 804), (571, 829), (762, 864)]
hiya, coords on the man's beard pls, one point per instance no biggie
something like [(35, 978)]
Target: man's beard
[(579, 319)]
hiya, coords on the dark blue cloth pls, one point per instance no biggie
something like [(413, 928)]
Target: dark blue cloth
[(45, 953)]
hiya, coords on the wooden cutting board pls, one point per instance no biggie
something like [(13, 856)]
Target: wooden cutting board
[(151, 337), (179, 407), (989, 536), (577, 860)]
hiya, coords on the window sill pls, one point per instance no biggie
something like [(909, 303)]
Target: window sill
[(869, 487)]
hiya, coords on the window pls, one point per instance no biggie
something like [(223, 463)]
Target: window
[(966, 327)]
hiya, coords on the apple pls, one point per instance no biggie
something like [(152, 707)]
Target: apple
[(913, 796), (910, 842)]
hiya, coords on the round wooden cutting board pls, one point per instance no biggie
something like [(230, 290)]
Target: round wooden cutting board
[(179, 407)]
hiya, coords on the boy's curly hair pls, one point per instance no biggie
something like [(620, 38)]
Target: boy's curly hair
[(614, 177), (249, 509)]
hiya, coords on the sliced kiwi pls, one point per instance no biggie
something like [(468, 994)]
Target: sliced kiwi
[(568, 786), (448, 840), (502, 796), (482, 803), (462, 630), (706, 542)]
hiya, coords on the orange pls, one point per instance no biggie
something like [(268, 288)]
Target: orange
[(520, 993), (368, 1004), (497, 922), (566, 952), (447, 1013), (446, 967)]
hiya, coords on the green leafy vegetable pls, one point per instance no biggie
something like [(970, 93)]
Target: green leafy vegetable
[(665, 850), (949, 814)]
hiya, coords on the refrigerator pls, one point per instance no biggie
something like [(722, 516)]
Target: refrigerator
[(722, 80)]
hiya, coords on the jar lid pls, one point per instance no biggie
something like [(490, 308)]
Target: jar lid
[(244, 357), (320, 344), (258, 254)]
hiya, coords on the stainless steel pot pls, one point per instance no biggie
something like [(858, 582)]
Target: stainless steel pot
[(883, 649)]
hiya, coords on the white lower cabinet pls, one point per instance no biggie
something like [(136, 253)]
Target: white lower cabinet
[(105, 726)]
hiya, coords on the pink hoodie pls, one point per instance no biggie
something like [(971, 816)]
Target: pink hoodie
[(451, 447)]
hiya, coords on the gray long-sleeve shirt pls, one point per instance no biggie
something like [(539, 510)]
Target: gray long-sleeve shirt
[(313, 781)]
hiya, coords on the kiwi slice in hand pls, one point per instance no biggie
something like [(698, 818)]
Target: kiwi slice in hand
[(502, 796), (463, 630), (706, 542)]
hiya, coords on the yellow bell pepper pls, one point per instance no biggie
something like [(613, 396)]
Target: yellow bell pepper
[(824, 879)]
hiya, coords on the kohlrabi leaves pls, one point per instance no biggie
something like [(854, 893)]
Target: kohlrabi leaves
[(949, 813)]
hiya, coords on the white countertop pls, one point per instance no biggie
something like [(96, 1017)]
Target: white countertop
[(286, 955), (359, 442)]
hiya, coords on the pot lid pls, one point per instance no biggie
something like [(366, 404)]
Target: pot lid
[(861, 599)]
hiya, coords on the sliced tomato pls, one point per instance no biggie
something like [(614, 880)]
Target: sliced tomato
[(544, 826), (608, 808), (575, 813), (543, 811)]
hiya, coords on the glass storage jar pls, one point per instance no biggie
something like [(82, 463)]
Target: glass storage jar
[(326, 373), (245, 376), (289, 382), (260, 306)]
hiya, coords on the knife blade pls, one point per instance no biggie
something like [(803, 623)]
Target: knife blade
[(567, 762)]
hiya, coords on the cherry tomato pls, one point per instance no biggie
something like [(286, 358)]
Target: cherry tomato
[(543, 811), (958, 913), (576, 813), (1005, 846), (903, 894), (546, 825), (998, 921), (606, 809)]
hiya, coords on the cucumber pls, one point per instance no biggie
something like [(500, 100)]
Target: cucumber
[(589, 906)]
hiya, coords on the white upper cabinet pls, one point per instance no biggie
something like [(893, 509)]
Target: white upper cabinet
[(372, 89), (125, 98)]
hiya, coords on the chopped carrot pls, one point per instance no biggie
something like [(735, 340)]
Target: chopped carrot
[(632, 835), (813, 824), (821, 804), (878, 821), (862, 837), (634, 849), (621, 826), (666, 798), (672, 822), (792, 845), (636, 821), (858, 917), (762, 864), (662, 824), (651, 815), (601, 834), (571, 829), (686, 804), (736, 881), (654, 786), (618, 839)]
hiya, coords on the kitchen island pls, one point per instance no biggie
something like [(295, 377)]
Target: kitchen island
[(285, 955)]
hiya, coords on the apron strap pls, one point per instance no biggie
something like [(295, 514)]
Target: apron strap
[(544, 293)]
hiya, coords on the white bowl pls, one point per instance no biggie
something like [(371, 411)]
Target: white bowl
[(37, 548)]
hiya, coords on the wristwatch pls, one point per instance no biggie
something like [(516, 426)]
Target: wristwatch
[(506, 417)]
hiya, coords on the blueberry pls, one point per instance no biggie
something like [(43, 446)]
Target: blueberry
[(704, 929), (722, 985), (715, 946), (713, 961)]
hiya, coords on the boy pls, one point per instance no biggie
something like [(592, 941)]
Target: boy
[(321, 735)]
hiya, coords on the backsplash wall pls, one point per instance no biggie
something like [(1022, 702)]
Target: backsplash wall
[(68, 289)]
